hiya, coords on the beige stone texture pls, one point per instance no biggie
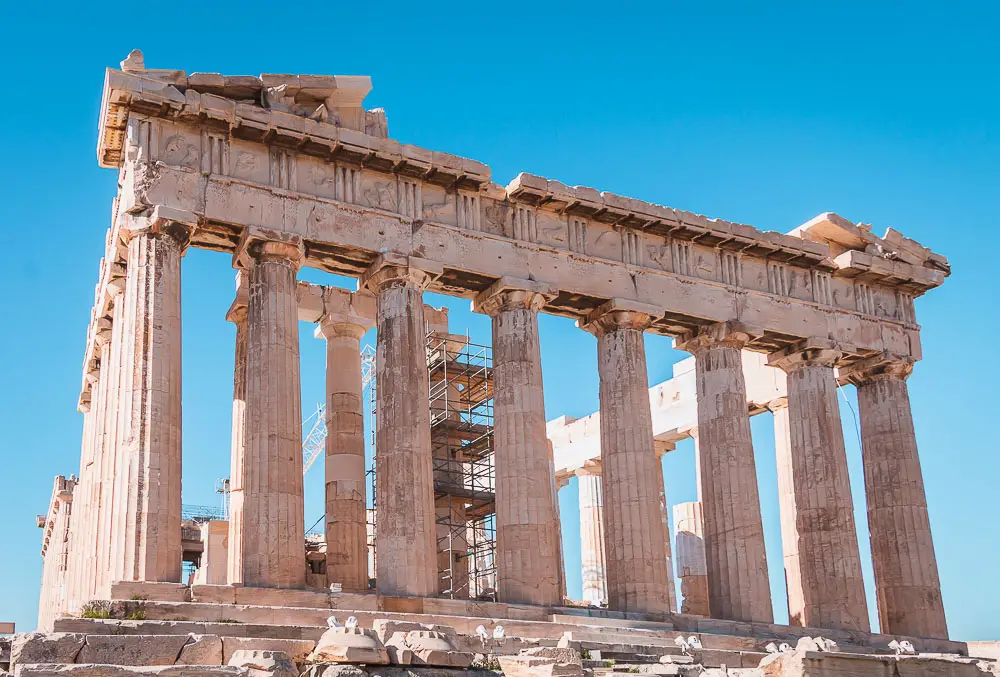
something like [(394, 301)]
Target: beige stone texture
[(201, 650), (132, 649), (349, 645), (263, 663), (633, 522), (819, 537), (527, 554), (346, 319), (738, 587), (404, 475), (692, 568), (270, 517), (907, 586), (37, 647), (592, 547)]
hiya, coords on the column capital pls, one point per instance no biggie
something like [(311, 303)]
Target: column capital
[(591, 468), (345, 313), (729, 334), (661, 448), (810, 352), (618, 314), (176, 224), (258, 245), (510, 293), (777, 404), (876, 368), (398, 270), (238, 310)]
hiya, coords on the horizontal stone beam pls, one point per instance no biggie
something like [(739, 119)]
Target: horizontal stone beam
[(576, 443)]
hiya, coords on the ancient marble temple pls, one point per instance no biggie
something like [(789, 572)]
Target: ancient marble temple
[(291, 171)]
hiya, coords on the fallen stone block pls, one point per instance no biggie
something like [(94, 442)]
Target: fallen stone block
[(537, 666), (349, 645), (428, 647), (39, 647), (264, 663), (386, 628), (201, 650), (136, 650), (808, 659), (296, 649), (561, 655)]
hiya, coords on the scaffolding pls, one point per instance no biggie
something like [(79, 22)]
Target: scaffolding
[(460, 397)]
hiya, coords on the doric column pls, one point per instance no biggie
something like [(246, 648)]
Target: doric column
[(238, 316), (738, 585), (527, 533), (346, 319), (595, 583), (633, 523), (907, 586), (150, 446), (690, 553), (271, 514), (819, 539), (661, 449), (406, 551)]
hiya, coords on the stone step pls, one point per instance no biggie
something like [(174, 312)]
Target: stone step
[(96, 670)]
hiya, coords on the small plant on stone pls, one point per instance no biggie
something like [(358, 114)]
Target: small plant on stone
[(585, 654), (134, 611), (98, 608), (633, 669), (610, 663), (228, 620)]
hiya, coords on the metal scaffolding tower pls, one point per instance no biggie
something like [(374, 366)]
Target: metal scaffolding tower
[(460, 398)]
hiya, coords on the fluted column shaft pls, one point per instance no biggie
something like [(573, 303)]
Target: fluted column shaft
[(271, 513), (738, 584), (405, 543), (633, 523), (595, 584), (820, 542), (346, 535), (690, 553), (150, 448), (907, 586), (238, 316), (527, 532)]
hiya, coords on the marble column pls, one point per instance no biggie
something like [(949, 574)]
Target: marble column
[(346, 538), (271, 515), (819, 538), (150, 447), (405, 547), (633, 523), (738, 584), (238, 316), (527, 552), (907, 587), (691, 565), (661, 449), (595, 584)]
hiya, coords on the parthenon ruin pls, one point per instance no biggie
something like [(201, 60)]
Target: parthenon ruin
[(286, 171)]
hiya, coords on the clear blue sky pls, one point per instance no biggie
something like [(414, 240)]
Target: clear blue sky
[(764, 113)]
